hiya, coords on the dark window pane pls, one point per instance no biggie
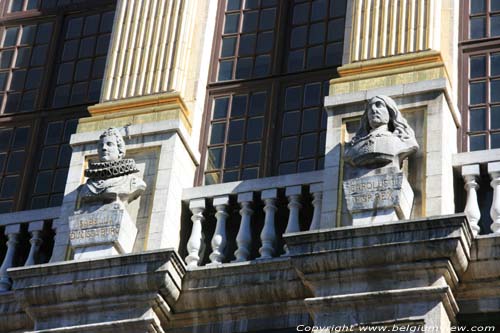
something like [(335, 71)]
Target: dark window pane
[(48, 159), (317, 33), (477, 120), (87, 47), (91, 25), (16, 5), (65, 74), (310, 119), (495, 117), (5, 135), (478, 67), (10, 38), (12, 104), (214, 160), (244, 68), (477, 6), (231, 25), (233, 4), (287, 168), (308, 144), (95, 90), (477, 93), (212, 178), (299, 37), (300, 13), (494, 64), (494, 5), (23, 57), (337, 7), (236, 131), (321, 144), (239, 105), (9, 187), (6, 206), (288, 149), (250, 21), (28, 101), (495, 90), (477, 27), (102, 45), (32, 4), (16, 161), (225, 70), (220, 107), (254, 128), (98, 68), (56, 200), (54, 132), (70, 50), (315, 57), (495, 25), (3, 158), (267, 18), (43, 182), (292, 98), (295, 60), (291, 123), (78, 93), (107, 22), (318, 10), (250, 173), (495, 140), (44, 32), (306, 165), (28, 36), (251, 4), (247, 45), (257, 104), (61, 96), (17, 82), (336, 30), (228, 47), (312, 94), (39, 202), (233, 156), (34, 78), (218, 133), (82, 71), (74, 27), (265, 42), (70, 129), (231, 176), (477, 142), (252, 154), (21, 137), (64, 156), (6, 59)]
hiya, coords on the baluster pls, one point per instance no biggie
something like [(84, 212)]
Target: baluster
[(35, 229), (244, 237), (293, 194), (470, 173), (317, 192), (494, 171), (12, 233), (219, 238), (197, 207), (268, 234)]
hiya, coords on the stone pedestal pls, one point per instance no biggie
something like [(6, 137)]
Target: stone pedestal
[(382, 196), (129, 293), (107, 231)]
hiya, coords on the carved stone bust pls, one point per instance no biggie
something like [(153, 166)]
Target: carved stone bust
[(383, 138), (112, 177)]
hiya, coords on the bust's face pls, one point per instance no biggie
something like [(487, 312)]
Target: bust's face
[(378, 115), (108, 149)]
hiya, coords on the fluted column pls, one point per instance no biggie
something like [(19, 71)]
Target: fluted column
[(219, 238), (244, 237), (12, 233), (470, 173), (268, 234), (494, 171), (35, 229), (293, 194), (197, 207), (317, 192)]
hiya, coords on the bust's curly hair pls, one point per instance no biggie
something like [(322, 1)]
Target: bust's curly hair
[(397, 124), (120, 143)]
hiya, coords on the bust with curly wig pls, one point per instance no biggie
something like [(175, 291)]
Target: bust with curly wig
[(383, 138)]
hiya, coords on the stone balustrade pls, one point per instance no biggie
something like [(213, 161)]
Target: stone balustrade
[(26, 238), (480, 172), (245, 220)]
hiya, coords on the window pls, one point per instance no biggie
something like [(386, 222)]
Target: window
[(270, 71), (51, 67), (480, 75)]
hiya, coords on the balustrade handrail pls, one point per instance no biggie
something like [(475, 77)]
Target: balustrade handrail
[(25, 216), (475, 157), (252, 185)]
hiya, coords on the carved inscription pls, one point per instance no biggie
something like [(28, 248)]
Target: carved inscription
[(102, 226), (373, 192)]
